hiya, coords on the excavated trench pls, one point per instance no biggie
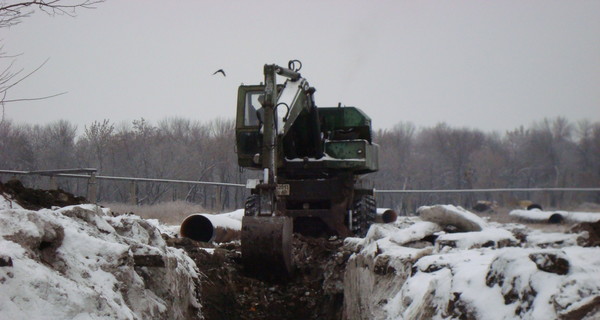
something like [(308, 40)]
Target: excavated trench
[(315, 291)]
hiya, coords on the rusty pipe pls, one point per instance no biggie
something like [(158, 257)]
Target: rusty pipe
[(211, 227), (386, 216)]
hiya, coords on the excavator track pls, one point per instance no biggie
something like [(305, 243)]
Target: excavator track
[(363, 215)]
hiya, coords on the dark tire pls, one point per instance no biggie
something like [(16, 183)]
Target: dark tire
[(534, 206), (363, 215), (252, 205)]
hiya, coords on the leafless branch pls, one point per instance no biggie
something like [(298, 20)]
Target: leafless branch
[(34, 99), (7, 77), (11, 14)]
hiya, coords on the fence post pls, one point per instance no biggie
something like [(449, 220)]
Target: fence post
[(92, 188), (218, 199), (546, 199), (53, 184), (409, 205), (132, 193)]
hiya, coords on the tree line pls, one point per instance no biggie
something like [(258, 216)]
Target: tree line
[(549, 153)]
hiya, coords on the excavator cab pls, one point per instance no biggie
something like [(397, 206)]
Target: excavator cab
[(248, 125)]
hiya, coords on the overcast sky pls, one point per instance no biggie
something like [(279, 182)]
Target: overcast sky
[(492, 65)]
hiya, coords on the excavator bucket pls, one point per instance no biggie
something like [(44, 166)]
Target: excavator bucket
[(267, 246)]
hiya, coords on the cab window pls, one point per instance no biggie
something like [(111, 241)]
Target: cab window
[(251, 107)]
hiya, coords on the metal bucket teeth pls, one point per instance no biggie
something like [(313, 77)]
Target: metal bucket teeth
[(267, 246)]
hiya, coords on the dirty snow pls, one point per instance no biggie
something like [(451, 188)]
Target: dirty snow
[(458, 217), (79, 262), (415, 232), (6, 202), (488, 237), (500, 272)]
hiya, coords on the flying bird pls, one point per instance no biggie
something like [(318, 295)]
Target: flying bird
[(220, 71)]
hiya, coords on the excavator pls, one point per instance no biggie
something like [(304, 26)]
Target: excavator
[(311, 162)]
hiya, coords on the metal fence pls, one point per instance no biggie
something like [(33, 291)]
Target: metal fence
[(408, 200), (90, 174), (401, 200)]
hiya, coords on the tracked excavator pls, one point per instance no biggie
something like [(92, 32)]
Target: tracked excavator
[(311, 160)]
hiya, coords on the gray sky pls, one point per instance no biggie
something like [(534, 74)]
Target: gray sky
[(493, 65)]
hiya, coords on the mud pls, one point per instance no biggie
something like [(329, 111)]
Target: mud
[(314, 291), (35, 199)]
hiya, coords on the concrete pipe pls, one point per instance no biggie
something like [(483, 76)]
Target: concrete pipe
[(211, 227)]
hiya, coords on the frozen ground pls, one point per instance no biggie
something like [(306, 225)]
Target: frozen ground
[(415, 270), (80, 262)]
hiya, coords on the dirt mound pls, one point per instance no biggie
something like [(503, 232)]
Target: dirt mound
[(592, 238), (314, 292), (35, 199)]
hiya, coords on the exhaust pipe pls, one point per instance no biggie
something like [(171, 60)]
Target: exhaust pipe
[(211, 227)]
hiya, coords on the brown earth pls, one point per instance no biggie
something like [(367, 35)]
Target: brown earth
[(592, 239), (35, 199), (314, 291)]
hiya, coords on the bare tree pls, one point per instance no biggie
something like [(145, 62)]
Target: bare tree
[(588, 152), (98, 136), (12, 14), (547, 154), (18, 153)]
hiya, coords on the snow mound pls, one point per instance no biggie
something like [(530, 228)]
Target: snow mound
[(488, 237), (79, 262), (449, 215), (415, 270), (6, 202), (415, 232)]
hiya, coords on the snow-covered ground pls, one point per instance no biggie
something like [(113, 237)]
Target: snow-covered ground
[(545, 216), (414, 270), (80, 262)]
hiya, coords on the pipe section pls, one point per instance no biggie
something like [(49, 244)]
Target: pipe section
[(211, 227), (227, 227), (387, 216)]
